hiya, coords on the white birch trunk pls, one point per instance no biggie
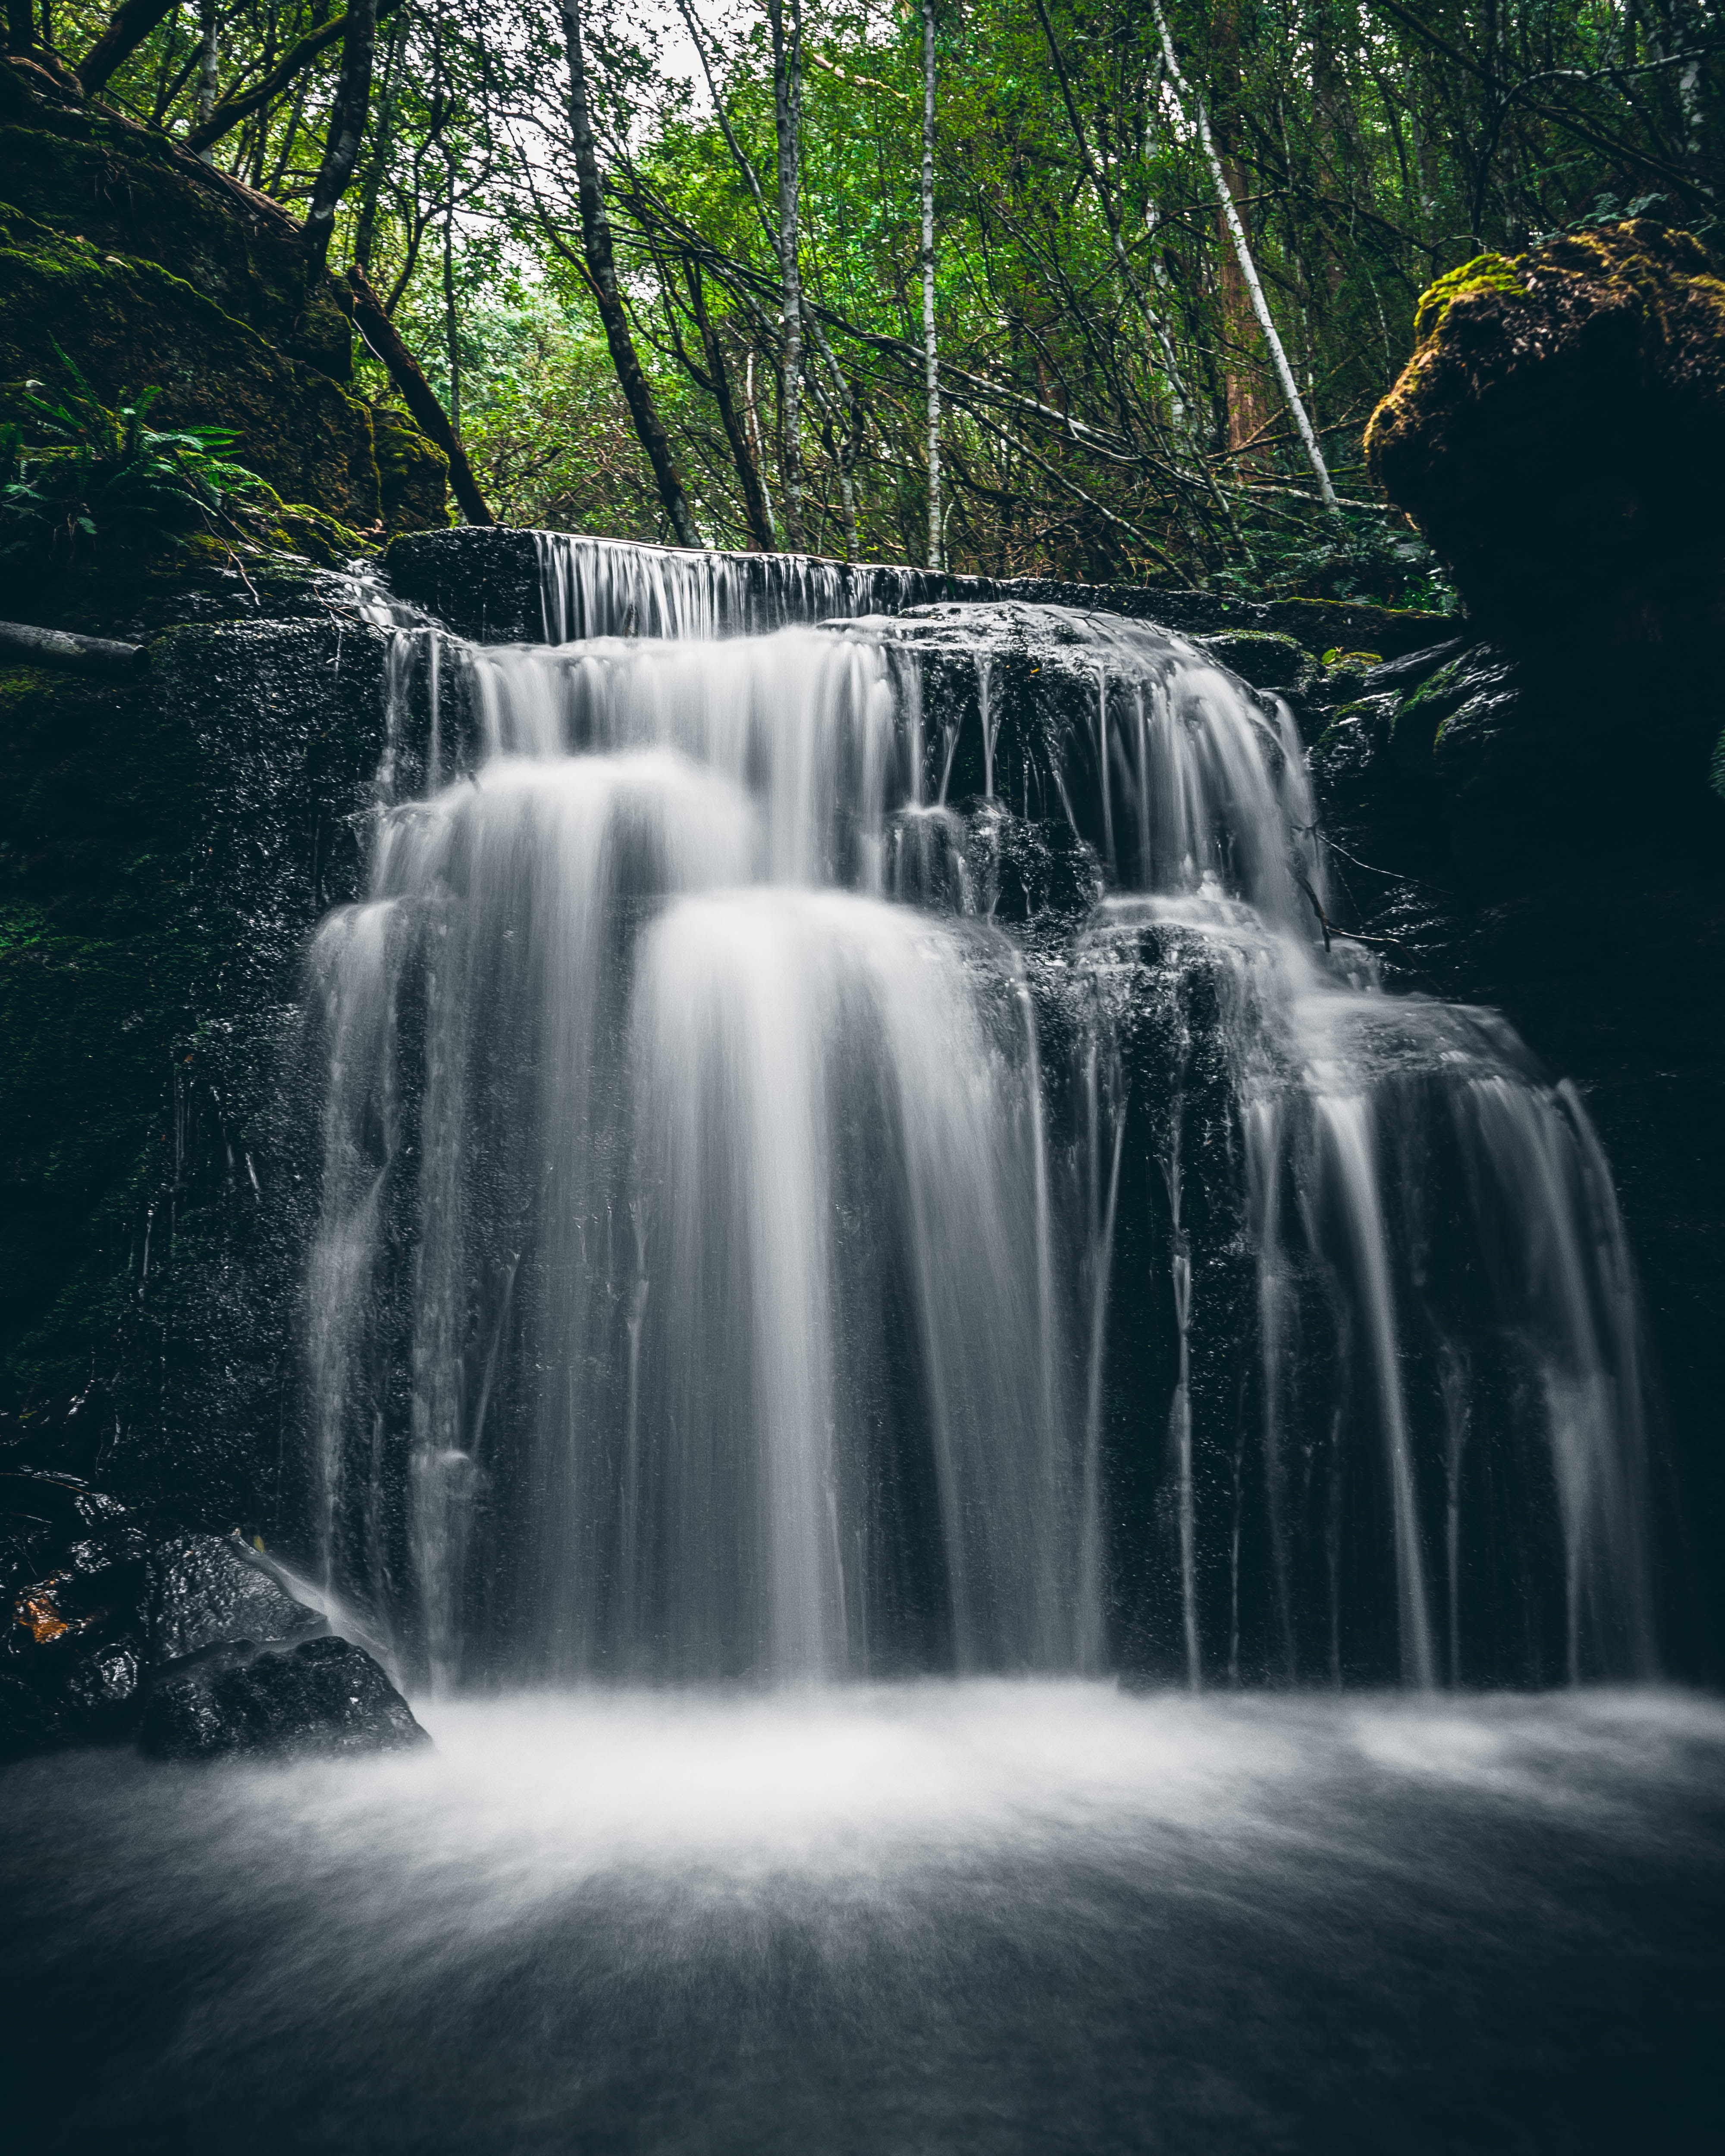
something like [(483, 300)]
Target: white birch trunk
[(1248, 267), (937, 552), (787, 115)]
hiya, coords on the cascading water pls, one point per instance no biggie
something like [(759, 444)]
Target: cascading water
[(727, 1343), (845, 1152)]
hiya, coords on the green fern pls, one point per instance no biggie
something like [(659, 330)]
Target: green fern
[(76, 472)]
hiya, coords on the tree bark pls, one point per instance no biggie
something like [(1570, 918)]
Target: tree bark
[(416, 393), (716, 382), (126, 30), (931, 348), (30, 646), (345, 132), (601, 277), (229, 113), (1225, 194), (209, 60), (365, 229), (1247, 415), (788, 125)]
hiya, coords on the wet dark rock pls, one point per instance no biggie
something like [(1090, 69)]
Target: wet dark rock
[(485, 583), (204, 1590), (111, 1627), (1266, 658), (73, 1593), (323, 1696)]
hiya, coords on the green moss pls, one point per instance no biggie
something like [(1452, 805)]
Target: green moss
[(412, 474), (125, 193), (1266, 658), (129, 323), (1486, 272)]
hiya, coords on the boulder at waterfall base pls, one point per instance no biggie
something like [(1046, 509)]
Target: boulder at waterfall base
[(117, 1629), (325, 1695)]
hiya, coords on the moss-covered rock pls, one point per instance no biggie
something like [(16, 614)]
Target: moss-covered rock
[(129, 323), (1559, 436), (151, 267), (127, 191), (412, 474), (1265, 657)]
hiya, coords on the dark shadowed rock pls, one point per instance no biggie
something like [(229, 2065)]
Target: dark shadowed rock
[(1559, 437), (73, 1574), (323, 1696)]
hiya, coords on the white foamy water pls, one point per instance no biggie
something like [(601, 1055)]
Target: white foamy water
[(996, 1916)]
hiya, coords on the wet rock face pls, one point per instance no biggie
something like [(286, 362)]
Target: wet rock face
[(73, 1577), (115, 1629), (325, 1695), (203, 1591), (1559, 436)]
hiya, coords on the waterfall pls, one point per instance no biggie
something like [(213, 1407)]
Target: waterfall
[(845, 1152)]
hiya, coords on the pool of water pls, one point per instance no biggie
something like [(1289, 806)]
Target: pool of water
[(979, 1917)]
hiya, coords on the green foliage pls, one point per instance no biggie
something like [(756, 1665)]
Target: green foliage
[(1109, 408), (1352, 554), (76, 475)]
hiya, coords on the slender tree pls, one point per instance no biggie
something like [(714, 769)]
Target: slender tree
[(785, 19), (346, 132), (931, 348), (1248, 267), (601, 277)]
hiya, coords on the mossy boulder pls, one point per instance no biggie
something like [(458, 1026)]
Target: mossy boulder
[(1559, 436), (1262, 656), (127, 191), (129, 323), (412, 474)]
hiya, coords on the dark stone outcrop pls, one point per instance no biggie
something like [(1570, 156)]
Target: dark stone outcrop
[(1559, 437), (204, 1591), (114, 1628), (1532, 839), (165, 849), (324, 1695)]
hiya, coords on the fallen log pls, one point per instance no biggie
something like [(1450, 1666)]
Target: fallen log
[(24, 645)]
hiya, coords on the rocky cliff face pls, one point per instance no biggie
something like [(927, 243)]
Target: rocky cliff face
[(1530, 819)]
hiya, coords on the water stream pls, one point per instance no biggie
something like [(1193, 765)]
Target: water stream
[(927, 1382), (713, 1279)]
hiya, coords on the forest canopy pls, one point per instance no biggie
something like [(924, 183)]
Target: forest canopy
[(1104, 291)]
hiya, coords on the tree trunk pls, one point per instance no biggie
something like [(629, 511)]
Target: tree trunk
[(416, 393), (788, 122), (126, 29), (1247, 414), (232, 110), (452, 328), (20, 26), (718, 381), (931, 349), (365, 229), (1242, 254), (346, 130), (601, 275), (209, 58)]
